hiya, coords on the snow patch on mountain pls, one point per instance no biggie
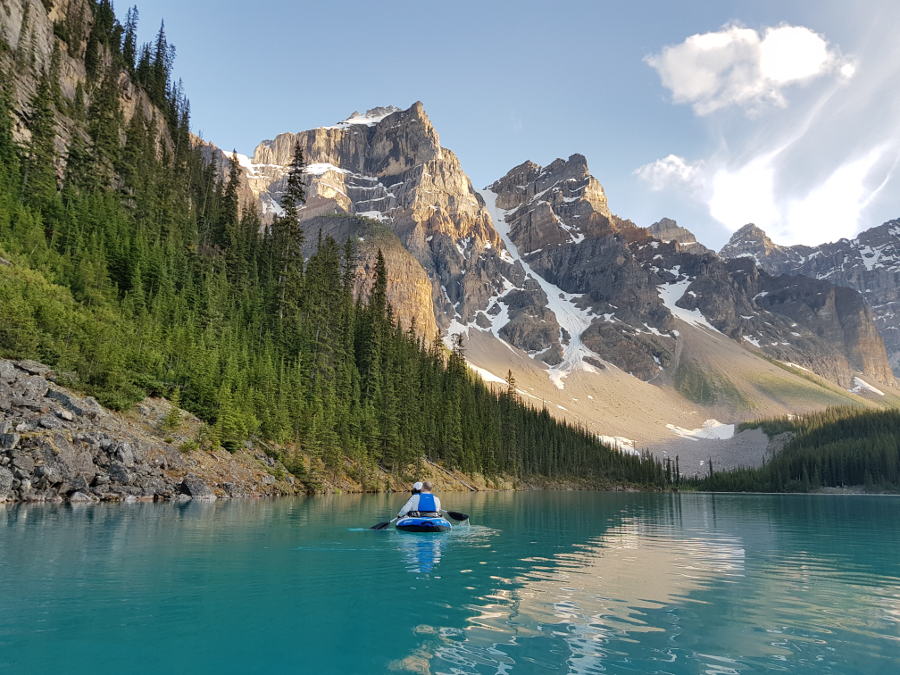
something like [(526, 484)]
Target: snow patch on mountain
[(620, 443), (711, 429), (571, 318), (861, 386), (671, 294), (369, 118)]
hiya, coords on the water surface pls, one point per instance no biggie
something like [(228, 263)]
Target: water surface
[(541, 583)]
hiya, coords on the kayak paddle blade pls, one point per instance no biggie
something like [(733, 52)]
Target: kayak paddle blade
[(456, 515), (380, 526)]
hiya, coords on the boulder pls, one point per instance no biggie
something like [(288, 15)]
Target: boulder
[(6, 482), (8, 441), (67, 401), (80, 497), (119, 473), (195, 488), (124, 454), (33, 367), (8, 371)]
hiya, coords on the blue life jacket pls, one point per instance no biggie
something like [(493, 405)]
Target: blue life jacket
[(426, 503)]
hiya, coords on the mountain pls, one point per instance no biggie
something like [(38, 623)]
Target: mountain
[(388, 165), (541, 277), (869, 263)]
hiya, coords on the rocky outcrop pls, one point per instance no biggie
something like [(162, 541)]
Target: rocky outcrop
[(56, 445), (869, 263)]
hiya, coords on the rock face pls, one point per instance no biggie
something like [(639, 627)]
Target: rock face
[(409, 289), (55, 446), (870, 264), (28, 28)]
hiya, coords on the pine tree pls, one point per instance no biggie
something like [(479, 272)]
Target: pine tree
[(129, 40), (39, 175)]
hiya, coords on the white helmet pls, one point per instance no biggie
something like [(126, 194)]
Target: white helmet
[(417, 485)]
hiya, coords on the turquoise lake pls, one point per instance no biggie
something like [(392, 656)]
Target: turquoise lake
[(542, 582)]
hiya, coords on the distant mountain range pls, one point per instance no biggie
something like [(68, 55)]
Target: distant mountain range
[(537, 265), (868, 263)]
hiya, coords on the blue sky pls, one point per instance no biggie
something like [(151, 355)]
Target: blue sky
[(714, 131)]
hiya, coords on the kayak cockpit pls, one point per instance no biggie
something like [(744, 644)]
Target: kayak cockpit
[(423, 524)]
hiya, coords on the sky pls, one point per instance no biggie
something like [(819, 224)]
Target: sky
[(783, 113)]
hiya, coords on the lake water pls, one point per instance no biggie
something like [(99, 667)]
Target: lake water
[(542, 582)]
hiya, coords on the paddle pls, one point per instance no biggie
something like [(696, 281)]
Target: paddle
[(456, 515), (381, 526)]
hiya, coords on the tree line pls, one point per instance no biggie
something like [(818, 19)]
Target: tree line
[(135, 271), (837, 447)]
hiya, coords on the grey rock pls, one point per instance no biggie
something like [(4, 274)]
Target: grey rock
[(33, 367), (119, 473), (49, 422), (64, 415), (195, 487), (23, 461), (124, 454), (8, 371), (80, 497), (47, 474), (6, 482), (32, 388), (9, 441), (69, 402)]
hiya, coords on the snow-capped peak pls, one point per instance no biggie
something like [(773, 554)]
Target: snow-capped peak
[(369, 118)]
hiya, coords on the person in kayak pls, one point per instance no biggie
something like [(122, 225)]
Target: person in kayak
[(422, 505), (416, 488)]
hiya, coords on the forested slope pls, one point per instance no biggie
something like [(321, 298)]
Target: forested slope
[(128, 263)]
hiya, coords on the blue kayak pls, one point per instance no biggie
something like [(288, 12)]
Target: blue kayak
[(424, 524)]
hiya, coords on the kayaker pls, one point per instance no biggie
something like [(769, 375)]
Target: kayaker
[(416, 488), (424, 504)]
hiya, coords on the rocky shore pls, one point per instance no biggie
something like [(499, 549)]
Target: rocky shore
[(57, 445)]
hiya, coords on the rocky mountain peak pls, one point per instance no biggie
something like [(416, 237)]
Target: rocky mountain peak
[(666, 229), (749, 240)]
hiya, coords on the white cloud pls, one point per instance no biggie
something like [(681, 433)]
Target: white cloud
[(670, 171), (744, 195), (832, 209), (740, 66), (749, 192)]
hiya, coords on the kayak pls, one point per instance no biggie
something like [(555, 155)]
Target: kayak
[(424, 524)]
